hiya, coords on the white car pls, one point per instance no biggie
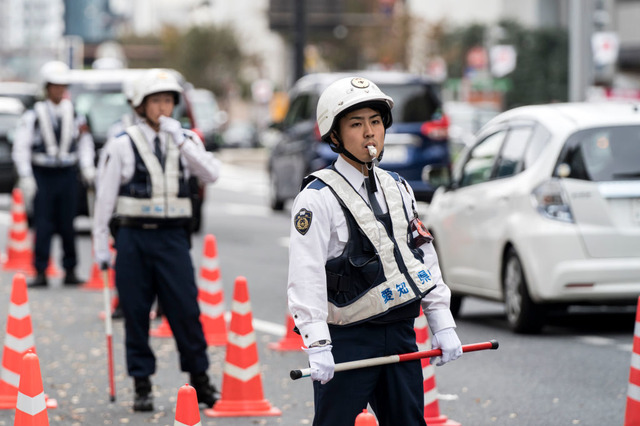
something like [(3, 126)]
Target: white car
[(543, 211)]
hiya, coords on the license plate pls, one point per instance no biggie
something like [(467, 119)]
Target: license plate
[(395, 154)]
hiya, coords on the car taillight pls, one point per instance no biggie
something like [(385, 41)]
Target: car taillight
[(437, 129), (316, 132), (550, 201)]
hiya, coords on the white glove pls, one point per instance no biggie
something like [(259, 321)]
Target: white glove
[(28, 187), (102, 257), (173, 127), (321, 363), (89, 176), (446, 340)]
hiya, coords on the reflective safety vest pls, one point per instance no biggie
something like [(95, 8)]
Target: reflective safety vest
[(404, 278), (167, 195), (54, 146)]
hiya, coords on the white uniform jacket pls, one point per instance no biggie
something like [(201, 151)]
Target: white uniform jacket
[(118, 169), (325, 239)]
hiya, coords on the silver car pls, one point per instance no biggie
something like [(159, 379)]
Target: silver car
[(543, 211)]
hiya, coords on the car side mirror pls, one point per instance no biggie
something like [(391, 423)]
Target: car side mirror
[(437, 176)]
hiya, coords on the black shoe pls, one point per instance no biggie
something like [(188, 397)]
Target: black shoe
[(117, 312), (39, 281), (143, 400), (70, 278), (205, 391)]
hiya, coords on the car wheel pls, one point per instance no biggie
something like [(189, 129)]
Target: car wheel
[(523, 315), (275, 201)]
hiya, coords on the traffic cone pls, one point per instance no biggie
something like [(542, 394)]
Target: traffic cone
[(292, 341), (187, 409), (632, 413), (31, 409), (211, 296), (18, 341), (19, 256), (366, 419), (162, 330), (242, 394), (431, 407), (95, 281)]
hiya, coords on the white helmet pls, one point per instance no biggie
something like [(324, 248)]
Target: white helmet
[(156, 81), (129, 87), (55, 72), (344, 94)]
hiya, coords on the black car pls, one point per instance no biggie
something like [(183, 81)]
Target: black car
[(11, 110), (417, 138)]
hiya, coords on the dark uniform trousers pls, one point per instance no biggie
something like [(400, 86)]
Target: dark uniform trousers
[(54, 209), (152, 262), (395, 391)]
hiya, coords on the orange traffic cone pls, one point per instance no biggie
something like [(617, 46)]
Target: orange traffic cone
[(18, 341), (292, 341), (632, 413), (242, 393), (19, 256), (95, 281), (431, 407), (211, 296), (187, 410), (162, 330), (366, 419), (31, 409)]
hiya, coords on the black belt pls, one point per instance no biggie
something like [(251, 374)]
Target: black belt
[(139, 223)]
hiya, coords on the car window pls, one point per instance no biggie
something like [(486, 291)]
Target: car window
[(510, 160), (604, 154), (538, 142), (101, 109), (412, 102), (479, 163), (299, 110)]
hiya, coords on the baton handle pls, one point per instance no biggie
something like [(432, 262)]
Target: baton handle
[(109, 334), (392, 359)]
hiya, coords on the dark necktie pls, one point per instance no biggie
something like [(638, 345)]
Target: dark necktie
[(375, 206), (158, 150)]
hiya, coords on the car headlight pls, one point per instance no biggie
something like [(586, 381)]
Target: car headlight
[(550, 201)]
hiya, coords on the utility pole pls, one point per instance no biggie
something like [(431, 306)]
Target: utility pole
[(300, 36), (580, 58)]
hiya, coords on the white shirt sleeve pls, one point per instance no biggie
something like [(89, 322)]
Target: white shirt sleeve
[(111, 174), (199, 161), (308, 253), (437, 302), (21, 153)]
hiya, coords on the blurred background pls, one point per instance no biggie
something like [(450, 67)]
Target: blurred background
[(488, 56)]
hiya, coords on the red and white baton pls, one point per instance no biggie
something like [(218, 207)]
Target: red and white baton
[(392, 359), (109, 332)]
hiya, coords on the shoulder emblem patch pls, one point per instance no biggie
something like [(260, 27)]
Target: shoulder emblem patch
[(302, 221)]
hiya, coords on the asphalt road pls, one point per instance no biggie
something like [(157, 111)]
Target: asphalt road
[(574, 373)]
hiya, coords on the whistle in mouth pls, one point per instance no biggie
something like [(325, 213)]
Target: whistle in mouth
[(373, 152)]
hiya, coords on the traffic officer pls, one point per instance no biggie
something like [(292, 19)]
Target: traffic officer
[(360, 265), (142, 190), (50, 144)]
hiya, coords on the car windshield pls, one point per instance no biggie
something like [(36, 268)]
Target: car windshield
[(604, 154), (204, 111), (101, 109), (8, 122), (412, 102)]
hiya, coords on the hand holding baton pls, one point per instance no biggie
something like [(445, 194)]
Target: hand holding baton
[(392, 359), (108, 330)]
